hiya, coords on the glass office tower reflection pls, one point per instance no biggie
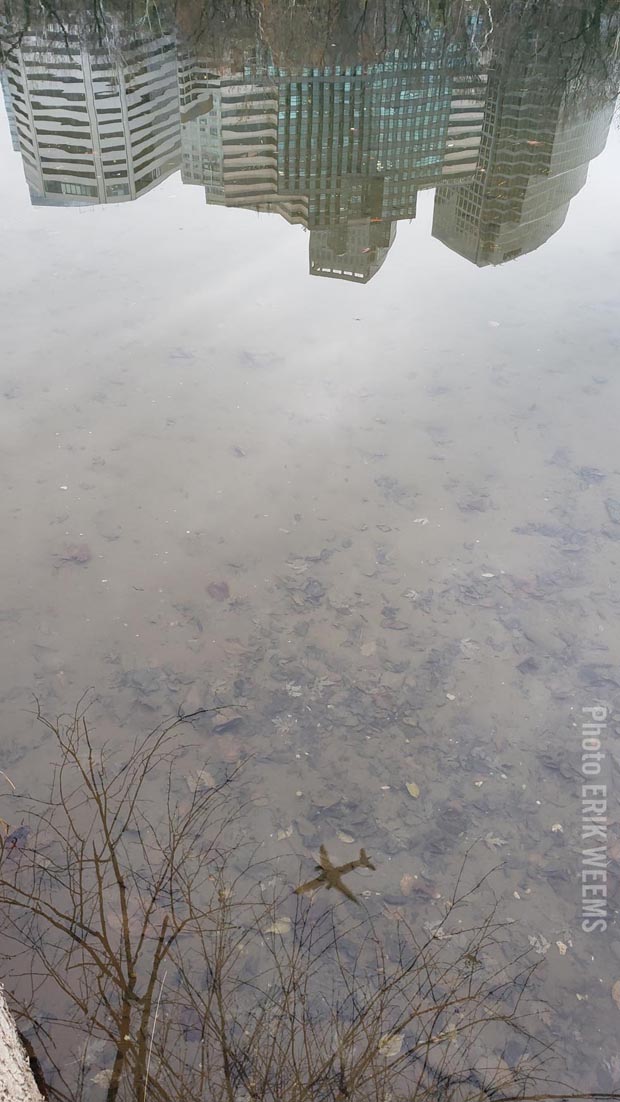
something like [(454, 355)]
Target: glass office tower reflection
[(341, 149), (533, 159), (91, 128)]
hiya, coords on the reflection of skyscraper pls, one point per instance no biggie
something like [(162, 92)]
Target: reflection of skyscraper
[(361, 141), (230, 145), (352, 250), (91, 128), (534, 158), (229, 142), (342, 150), (10, 112)]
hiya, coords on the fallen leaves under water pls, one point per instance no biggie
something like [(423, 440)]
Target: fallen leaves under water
[(407, 883), (77, 554), (199, 780), (219, 591), (390, 1044), (280, 926)]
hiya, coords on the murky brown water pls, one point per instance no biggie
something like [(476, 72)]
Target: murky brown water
[(380, 520)]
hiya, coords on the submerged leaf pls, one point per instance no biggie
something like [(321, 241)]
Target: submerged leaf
[(540, 945), (390, 1044), (219, 591), (413, 789), (199, 779), (280, 926), (407, 883), (493, 841)]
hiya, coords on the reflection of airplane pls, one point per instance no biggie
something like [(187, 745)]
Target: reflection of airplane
[(340, 150), (330, 875)]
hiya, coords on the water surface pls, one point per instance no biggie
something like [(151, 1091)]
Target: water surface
[(337, 447)]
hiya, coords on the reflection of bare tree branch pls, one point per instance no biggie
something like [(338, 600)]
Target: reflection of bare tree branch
[(118, 888), (579, 41)]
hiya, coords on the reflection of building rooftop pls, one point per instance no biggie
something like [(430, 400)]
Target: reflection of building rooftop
[(353, 251), (91, 128)]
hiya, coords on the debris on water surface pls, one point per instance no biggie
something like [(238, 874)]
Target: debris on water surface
[(219, 591), (413, 789)]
